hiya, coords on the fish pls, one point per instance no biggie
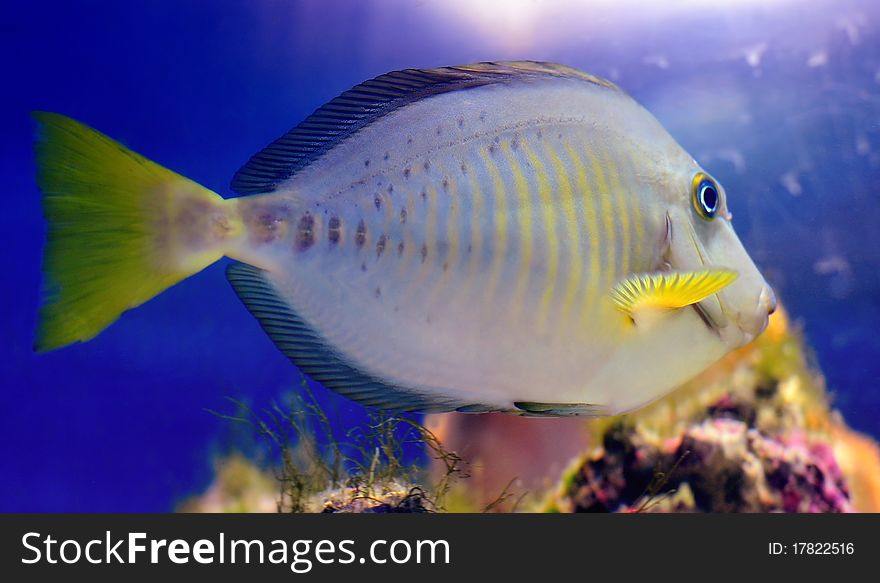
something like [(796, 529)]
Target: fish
[(500, 236)]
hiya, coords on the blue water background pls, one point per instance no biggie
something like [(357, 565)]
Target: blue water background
[(778, 99)]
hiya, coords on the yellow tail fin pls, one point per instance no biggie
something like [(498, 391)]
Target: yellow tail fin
[(121, 229)]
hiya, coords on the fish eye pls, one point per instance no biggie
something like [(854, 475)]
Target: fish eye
[(705, 196)]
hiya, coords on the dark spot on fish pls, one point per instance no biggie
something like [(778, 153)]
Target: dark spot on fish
[(424, 194), (445, 266), (378, 202), (334, 230), (403, 215), (366, 163), (491, 148), (497, 139), (439, 131), (305, 232), (386, 156), (463, 169), (380, 245), (424, 252), (400, 249), (427, 165), (540, 134), (514, 142), (470, 248), (559, 136), (360, 236), (460, 123), (409, 140), (378, 293), (482, 116), (390, 188), (364, 266), (406, 172), (268, 221), (445, 183)]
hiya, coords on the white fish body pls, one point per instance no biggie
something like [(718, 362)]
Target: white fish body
[(461, 248)]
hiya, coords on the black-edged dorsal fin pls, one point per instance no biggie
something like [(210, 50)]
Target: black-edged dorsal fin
[(363, 104)]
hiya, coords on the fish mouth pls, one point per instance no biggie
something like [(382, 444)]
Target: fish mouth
[(733, 314), (752, 325)]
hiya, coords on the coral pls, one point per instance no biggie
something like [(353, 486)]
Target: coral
[(859, 458)]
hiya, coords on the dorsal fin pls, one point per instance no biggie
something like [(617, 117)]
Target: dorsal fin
[(360, 106)]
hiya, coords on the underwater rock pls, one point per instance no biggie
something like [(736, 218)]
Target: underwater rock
[(395, 501), (719, 465)]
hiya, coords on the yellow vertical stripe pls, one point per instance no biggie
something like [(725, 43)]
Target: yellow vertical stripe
[(548, 212), (476, 222), (620, 197), (585, 192), (430, 241), (453, 235), (421, 220), (413, 213), (630, 156), (499, 216), (387, 217), (524, 215), (609, 237), (573, 243), (451, 200)]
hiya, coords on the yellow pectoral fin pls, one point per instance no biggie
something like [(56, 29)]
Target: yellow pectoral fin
[(644, 297)]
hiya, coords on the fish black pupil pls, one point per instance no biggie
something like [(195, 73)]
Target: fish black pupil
[(709, 198)]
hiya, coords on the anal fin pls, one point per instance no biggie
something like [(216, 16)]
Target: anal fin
[(530, 408)]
